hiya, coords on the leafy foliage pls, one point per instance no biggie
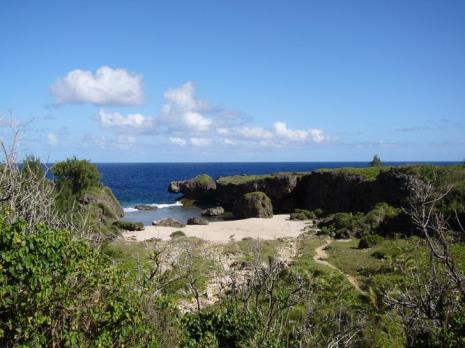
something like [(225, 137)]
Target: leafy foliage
[(129, 225), (55, 290), (72, 177)]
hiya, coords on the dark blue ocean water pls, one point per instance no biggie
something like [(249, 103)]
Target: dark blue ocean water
[(147, 183)]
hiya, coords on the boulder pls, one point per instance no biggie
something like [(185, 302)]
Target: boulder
[(254, 204), (145, 207), (213, 211), (168, 222), (197, 221)]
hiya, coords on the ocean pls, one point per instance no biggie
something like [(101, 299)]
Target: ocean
[(147, 183)]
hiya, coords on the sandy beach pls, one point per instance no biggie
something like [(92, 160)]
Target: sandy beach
[(222, 231)]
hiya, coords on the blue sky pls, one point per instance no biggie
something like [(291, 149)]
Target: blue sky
[(129, 81)]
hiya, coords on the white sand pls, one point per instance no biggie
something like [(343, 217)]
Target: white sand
[(221, 231)]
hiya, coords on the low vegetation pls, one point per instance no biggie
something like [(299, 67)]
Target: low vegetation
[(379, 287)]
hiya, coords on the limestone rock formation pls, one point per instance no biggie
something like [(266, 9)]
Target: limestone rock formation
[(197, 221), (213, 211), (253, 204), (168, 222)]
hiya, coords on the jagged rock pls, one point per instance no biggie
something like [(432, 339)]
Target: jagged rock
[(213, 211), (200, 188), (145, 207), (168, 222), (197, 221), (254, 204)]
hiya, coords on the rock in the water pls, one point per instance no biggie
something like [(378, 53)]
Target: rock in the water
[(197, 221), (213, 211), (168, 222), (200, 188), (254, 204), (145, 207)]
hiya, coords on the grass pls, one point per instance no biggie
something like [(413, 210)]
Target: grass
[(369, 173), (130, 256), (203, 179), (245, 248), (304, 263), (376, 265), (243, 179)]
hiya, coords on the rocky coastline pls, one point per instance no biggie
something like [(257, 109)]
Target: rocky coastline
[(332, 191)]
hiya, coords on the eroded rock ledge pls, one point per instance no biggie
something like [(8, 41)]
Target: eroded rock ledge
[(331, 190)]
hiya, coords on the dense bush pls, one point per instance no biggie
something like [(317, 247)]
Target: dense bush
[(177, 234), (369, 241), (302, 214), (129, 225), (220, 326), (74, 176), (380, 220), (57, 291)]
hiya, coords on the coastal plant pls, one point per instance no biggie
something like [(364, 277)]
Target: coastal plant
[(432, 305), (302, 214), (129, 225), (177, 234), (59, 291)]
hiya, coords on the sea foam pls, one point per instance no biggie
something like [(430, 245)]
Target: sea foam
[(158, 205)]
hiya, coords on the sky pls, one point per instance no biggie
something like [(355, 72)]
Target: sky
[(214, 81)]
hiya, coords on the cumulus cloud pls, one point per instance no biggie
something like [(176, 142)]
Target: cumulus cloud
[(117, 120), (107, 86), (52, 139), (281, 130), (200, 141), (178, 141), (183, 110), (255, 132)]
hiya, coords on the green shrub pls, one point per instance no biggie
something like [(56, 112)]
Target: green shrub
[(58, 291), (302, 214), (369, 241), (129, 225), (219, 327), (177, 234), (75, 175)]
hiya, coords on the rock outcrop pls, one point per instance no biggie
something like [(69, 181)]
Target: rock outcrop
[(332, 190), (145, 207), (199, 188), (168, 222), (197, 221), (213, 211), (253, 204)]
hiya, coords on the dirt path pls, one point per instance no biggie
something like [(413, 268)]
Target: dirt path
[(320, 258)]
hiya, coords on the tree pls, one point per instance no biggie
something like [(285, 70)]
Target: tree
[(432, 306), (76, 175), (376, 161)]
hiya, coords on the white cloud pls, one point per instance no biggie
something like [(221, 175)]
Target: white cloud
[(222, 131), (52, 139), (115, 119), (255, 133), (124, 142), (200, 141), (281, 130), (178, 141), (183, 111), (106, 87), (197, 121)]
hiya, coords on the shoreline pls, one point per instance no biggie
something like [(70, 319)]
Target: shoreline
[(279, 226)]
